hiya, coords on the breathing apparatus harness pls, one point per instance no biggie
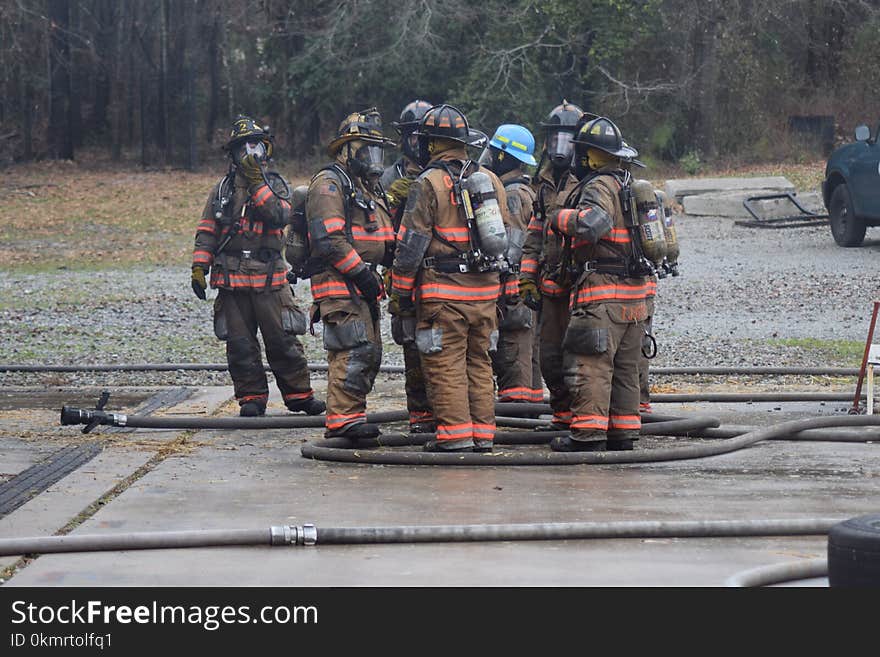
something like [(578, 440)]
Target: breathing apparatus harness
[(632, 264), (473, 260), (221, 207), (352, 197)]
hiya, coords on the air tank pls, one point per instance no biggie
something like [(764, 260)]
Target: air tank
[(296, 247), (486, 213), (651, 234), (672, 248)]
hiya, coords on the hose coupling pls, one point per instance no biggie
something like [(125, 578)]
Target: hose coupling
[(292, 535), (93, 417)]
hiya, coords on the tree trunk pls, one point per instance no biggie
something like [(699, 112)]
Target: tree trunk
[(60, 143), (214, 77)]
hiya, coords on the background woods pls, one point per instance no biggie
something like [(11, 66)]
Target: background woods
[(157, 81)]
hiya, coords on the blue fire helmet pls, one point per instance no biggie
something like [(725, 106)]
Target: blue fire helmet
[(515, 140)]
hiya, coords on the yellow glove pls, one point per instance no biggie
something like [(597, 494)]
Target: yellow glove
[(386, 281), (530, 294), (400, 307), (250, 169), (399, 190), (199, 284)]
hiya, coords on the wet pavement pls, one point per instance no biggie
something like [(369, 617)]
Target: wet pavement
[(176, 480)]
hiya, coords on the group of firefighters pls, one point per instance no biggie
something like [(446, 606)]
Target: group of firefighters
[(489, 274)]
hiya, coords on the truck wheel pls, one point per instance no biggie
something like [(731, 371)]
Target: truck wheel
[(847, 229), (854, 552)]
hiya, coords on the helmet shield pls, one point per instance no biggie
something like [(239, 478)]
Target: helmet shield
[(485, 159), (560, 147)]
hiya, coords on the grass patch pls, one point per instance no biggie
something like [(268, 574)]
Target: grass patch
[(845, 352)]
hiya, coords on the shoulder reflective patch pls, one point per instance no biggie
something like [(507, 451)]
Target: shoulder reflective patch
[(514, 203), (328, 189), (412, 198)]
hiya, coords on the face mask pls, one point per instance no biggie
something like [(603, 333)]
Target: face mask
[(497, 161), (411, 147), (368, 161), (560, 148), (257, 149)]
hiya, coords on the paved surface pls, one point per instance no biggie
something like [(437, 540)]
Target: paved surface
[(224, 479), (746, 297)]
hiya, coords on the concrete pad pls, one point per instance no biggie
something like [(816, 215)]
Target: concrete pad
[(678, 188), (63, 501), (257, 479), (730, 204), (203, 401)]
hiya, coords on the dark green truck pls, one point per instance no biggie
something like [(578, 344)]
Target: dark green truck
[(851, 189)]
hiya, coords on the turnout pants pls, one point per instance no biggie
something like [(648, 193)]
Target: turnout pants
[(602, 355), (513, 361), (554, 315), (644, 385), (237, 317), (354, 353), (453, 338), (416, 394)]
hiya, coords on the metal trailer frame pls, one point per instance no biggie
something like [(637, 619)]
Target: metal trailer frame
[(803, 218)]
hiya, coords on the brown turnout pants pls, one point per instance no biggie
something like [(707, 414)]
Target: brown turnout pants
[(512, 362), (553, 324), (459, 371), (414, 382), (644, 384), (605, 385), (237, 316), (354, 353)]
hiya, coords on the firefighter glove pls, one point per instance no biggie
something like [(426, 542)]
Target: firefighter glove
[(386, 281), (199, 284), (250, 169), (368, 284), (401, 306), (530, 294), (399, 190)]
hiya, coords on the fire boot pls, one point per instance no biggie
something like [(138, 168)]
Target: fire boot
[(422, 427), (308, 406), (434, 445), (356, 431), (593, 442), (483, 445), (252, 409), (621, 441)]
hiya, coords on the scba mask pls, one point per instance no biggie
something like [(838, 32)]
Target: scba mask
[(367, 160), (257, 148), (497, 161), (560, 148)]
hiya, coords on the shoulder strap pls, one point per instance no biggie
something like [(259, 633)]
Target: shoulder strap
[(347, 187)]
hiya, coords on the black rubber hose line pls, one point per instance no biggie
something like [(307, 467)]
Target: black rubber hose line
[(311, 535), (780, 573), (399, 369), (324, 451)]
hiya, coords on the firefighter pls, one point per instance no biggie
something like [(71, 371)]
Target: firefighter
[(450, 250), (602, 344), (512, 147), (239, 240), (350, 236), (545, 276), (396, 182)]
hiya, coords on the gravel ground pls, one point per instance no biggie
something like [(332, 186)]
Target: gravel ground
[(746, 297)]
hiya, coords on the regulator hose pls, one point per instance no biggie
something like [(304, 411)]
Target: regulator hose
[(287, 535)]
